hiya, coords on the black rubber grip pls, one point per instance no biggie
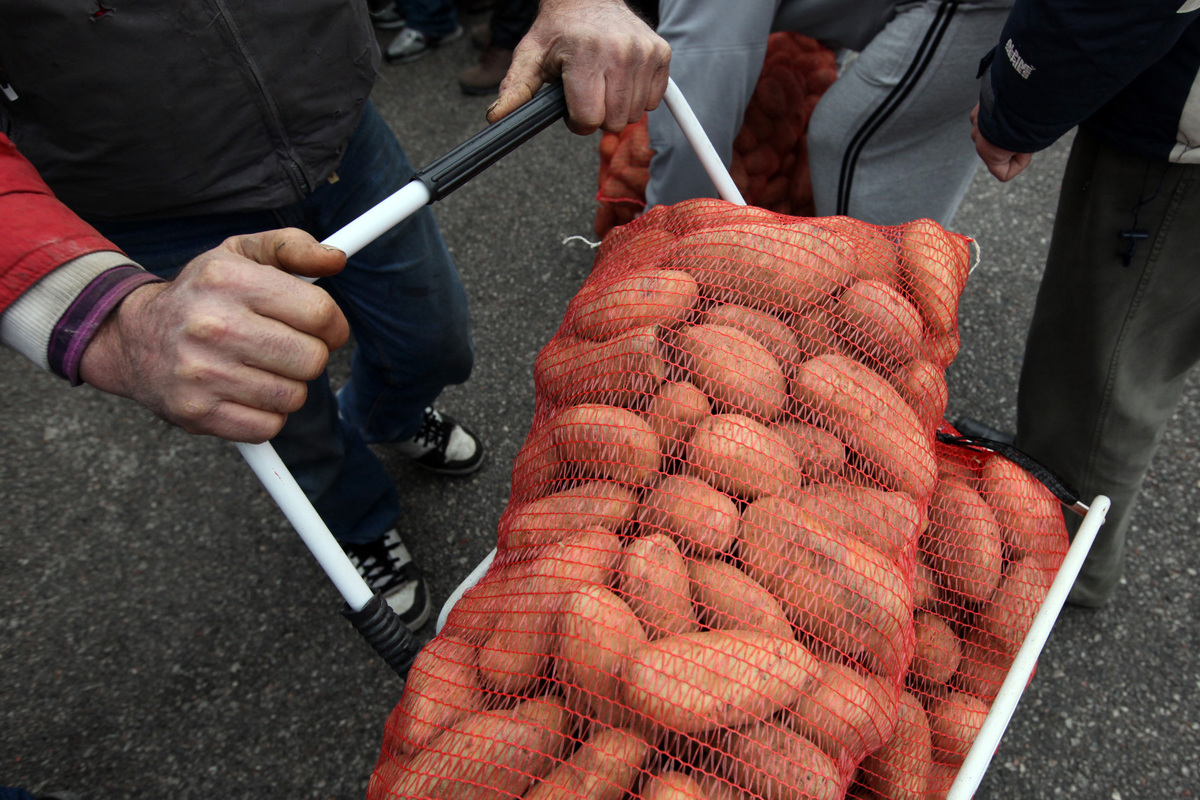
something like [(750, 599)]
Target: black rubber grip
[(493, 143), (385, 632), (1060, 488)]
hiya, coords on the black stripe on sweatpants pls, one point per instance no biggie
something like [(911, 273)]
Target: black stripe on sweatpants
[(933, 37)]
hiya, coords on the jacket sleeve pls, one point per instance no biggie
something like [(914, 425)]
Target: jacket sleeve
[(1059, 61), (59, 278)]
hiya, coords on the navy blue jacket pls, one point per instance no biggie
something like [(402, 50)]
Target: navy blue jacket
[(1122, 69)]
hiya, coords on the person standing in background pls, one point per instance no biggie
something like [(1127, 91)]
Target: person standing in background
[(497, 38), (886, 142), (1116, 326), (428, 24)]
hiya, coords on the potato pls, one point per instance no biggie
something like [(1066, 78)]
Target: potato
[(441, 688), (487, 755), (729, 599), (701, 520), (610, 304), (927, 589), (702, 213), (654, 581), (922, 384), (944, 347), (872, 246), (773, 761), (878, 325), (643, 245), (938, 652), (954, 721), (702, 681), (1029, 515), (843, 592), (518, 650), (817, 333), (714, 787), (603, 768), (742, 457), (941, 778), (900, 769), (871, 418), (888, 521), (599, 441), (536, 468), (844, 711), (984, 665), (959, 463), (672, 785), (1017, 600), (936, 265), (620, 371), (819, 453), (767, 329), (963, 541), (598, 631), (516, 655), (765, 266), (734, 369), (674, 413), (547, 520)]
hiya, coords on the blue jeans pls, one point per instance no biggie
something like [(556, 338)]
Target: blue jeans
[(434, 18), (11, 793), (407, 310)]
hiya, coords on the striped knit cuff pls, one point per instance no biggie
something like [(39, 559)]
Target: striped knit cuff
[(76, 327)]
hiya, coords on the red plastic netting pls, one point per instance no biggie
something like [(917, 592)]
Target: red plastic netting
[(736, 562), (770, 153)]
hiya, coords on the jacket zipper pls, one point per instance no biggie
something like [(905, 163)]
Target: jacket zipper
[(296, 173)]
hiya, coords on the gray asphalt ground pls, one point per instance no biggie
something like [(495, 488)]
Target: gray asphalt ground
[(165, 633)]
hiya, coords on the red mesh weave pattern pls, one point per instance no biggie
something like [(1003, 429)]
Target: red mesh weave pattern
[(736, 563)]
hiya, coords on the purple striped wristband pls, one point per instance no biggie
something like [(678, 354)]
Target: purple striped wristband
[(76, 327)]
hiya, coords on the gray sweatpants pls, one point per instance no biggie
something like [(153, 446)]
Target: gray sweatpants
[(1110, 346), (888, 143)]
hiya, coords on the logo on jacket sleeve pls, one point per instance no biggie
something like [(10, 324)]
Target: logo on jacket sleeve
[(1014, 58)]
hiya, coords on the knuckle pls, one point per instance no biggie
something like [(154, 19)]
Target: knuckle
[(288, 396), (207, 328), (314, 363)]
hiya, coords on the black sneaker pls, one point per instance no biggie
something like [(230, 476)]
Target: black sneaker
[(443, 445), (389, 570)]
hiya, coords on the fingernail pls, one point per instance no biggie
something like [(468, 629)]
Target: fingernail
[(331, 247), (492, 107)]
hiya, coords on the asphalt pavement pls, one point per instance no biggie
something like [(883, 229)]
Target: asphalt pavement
[(165, 633)]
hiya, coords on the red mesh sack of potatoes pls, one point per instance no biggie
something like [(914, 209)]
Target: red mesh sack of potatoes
[(994, 542), (706, 582), (770, 153)]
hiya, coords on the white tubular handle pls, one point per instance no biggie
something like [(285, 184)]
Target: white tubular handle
[(287, 494), (700, 142), (265, 462), (381, 218), (970, 774)]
